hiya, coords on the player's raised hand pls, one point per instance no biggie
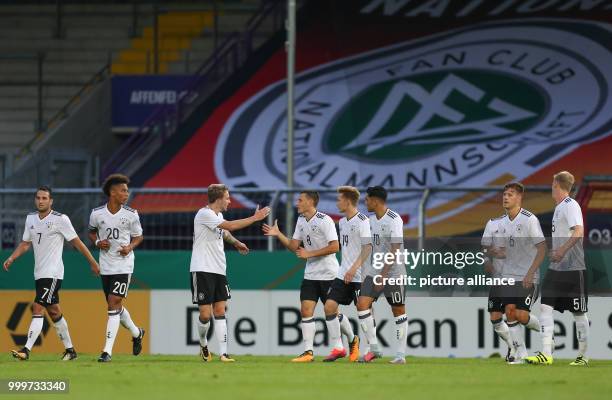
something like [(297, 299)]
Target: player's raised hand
[(302, 253), (242, 248), (271, 230), (7, 263), (261, 213), (95, 268)]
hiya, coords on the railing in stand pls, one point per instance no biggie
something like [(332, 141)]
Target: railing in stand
[(164, 121)]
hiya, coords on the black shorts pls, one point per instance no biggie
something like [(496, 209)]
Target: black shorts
[(209, 288), (519, 296), (566, 290), (314, 290), (342, 293), (47, 291), (395, 294), (495, 302), (117, 285)]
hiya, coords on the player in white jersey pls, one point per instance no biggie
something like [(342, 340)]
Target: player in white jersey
[(115, 229), (493, 243), (209, 287), (356, 245), (46, 230), (525, 249), (387, 230), (317, 232), (564, 286)]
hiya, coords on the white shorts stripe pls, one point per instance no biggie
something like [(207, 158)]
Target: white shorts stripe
[(51, 290), (195, 287)]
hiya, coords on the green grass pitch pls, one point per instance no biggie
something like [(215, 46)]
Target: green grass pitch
[(258, 377)]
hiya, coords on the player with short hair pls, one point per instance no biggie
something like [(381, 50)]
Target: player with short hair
[(564, 286), (387, 230), (46, 230), (493, 243), (356, 245), (317, 232), (209, 286), (115, 229), (525, 249)]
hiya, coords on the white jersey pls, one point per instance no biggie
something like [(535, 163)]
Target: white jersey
[(567, 215), (354, 233), (208, 254), (521, 234), (118, 229), (387, 230), (47, 237), (493, 237), (315, 234)]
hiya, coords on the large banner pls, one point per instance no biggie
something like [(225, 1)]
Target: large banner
[(404, 94), (268, 322)]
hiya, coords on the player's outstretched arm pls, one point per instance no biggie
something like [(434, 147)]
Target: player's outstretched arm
[(331, 248), (258, 215), (80, 246), (366, 250), (290, 244), (21, 248)]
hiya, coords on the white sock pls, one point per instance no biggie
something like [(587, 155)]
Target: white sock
[(203, 328), (221, 333), (126, 321), (35, 328), (582, 333), (401, 329), (112, 326), (346, 328), (501, 328), (516, 333), (333, 327), (533, 323), (61, 327), (369, 328), (308, 333), (548, 328)]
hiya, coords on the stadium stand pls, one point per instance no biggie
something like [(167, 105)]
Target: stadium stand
[(54, 53)]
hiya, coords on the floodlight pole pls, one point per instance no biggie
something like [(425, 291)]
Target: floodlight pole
[(290, 48)]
